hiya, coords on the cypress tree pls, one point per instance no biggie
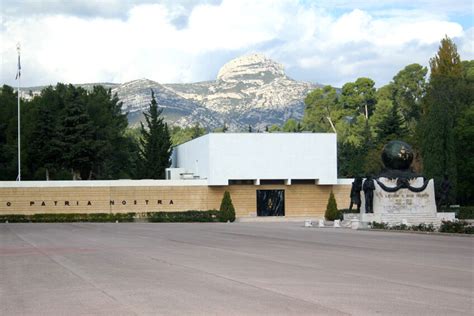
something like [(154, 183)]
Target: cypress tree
[(331, 209), (227, 211), (155, 151), (440, 112)]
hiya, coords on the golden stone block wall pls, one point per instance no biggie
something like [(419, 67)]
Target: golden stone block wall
[(300, 200)]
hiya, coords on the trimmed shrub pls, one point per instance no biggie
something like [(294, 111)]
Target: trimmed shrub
[(227, 211), (331, 209), (184, 217)]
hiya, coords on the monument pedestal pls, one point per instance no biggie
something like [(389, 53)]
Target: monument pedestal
[(404, 206)]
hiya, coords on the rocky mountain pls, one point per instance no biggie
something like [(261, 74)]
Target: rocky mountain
[(136, 96), (250, 90)]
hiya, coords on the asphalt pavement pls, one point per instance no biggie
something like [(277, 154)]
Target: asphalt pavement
[(231, 269)]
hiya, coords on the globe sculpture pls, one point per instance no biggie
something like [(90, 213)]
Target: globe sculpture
[(397, 155)]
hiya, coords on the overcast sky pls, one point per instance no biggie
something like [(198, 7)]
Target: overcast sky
[(329, 41)]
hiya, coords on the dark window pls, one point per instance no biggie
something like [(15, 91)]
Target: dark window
[(270, 202), (303, 181), (241, 181), (278, 181)]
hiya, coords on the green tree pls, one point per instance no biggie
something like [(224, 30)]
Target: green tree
[(408, 88), (464, 134), (45, 146), (292, 126), (155, 143), (392, 126), (110, 124), (359, 97), (274, 128), (181, 135), (227, 210), (322, 108), (77, 130), (197, 131), (447, 62), (8, 133)]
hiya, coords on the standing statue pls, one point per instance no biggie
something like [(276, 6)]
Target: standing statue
[(369, 188), (444, 192), (355, 193)]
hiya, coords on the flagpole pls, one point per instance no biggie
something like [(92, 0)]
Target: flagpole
[(18, 93)]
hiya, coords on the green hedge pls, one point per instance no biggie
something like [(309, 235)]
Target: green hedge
[(348, 211), (184, 217), (68, 218), (459, 227), (178, 217), (466, 212)]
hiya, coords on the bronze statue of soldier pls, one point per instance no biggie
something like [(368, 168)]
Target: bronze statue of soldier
[(355, 193), (369, 188)]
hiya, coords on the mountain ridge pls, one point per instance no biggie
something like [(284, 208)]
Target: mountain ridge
[(249, 90)]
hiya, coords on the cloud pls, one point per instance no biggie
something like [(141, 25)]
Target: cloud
[(118, 41), (91, 9)]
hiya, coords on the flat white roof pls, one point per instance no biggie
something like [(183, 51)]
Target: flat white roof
[(100, 183)]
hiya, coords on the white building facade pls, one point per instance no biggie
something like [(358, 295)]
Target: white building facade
[(257, 158)]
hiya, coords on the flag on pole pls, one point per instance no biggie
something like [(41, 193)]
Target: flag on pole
[(18, 73)]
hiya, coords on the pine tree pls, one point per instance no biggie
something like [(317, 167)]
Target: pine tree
[(227, 211), (392, 126), (155, 143)]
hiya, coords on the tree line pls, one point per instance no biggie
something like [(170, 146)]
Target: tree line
[(434, 114), (69, 133)]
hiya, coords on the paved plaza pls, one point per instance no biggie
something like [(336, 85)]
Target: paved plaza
[(230, 269)]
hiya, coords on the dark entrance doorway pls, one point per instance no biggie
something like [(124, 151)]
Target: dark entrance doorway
[(270, 202)]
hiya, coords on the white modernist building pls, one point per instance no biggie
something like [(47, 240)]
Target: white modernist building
[(281, 174), (257, 158)]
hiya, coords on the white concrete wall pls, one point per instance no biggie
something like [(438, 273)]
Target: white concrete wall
[(193, 156), (254, 156)]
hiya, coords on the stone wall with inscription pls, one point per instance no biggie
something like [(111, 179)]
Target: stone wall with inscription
[(156, 195)]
